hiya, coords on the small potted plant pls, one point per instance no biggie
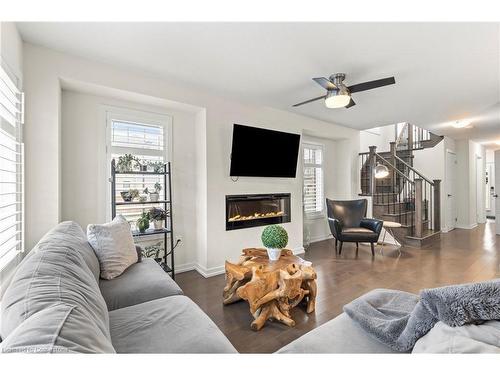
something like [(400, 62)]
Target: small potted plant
[(143, 222), (158, 215), (274, 238), (126, 163), (156, 166), (154, 196), (153, 251), (134, 193)]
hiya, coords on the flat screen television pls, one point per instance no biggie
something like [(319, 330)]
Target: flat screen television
[(258, 152)]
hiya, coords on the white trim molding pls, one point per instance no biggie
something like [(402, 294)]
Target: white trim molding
[(466, 226)]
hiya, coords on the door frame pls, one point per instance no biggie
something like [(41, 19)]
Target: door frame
[(446, 176)]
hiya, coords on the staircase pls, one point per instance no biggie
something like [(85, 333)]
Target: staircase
[(404, 195)]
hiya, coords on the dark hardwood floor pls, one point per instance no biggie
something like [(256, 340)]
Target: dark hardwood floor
[(460, 256)]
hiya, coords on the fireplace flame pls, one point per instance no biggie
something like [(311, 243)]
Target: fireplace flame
[(256, 215)]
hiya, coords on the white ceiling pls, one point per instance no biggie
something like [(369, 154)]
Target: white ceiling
[(443, 71)]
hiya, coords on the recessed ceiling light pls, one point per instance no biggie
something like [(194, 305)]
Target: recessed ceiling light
[(461, 124), (497, 142)]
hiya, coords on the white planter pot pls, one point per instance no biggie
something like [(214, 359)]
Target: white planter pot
[(158, 224), (273, 254), (154, 197)]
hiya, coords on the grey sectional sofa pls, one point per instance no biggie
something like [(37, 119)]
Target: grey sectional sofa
[(56, 302)]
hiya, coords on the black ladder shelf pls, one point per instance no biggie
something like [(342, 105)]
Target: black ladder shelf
[(167, 263)]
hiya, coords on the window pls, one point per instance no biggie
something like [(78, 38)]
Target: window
[(314, 197), (145, 136), (11, 169)]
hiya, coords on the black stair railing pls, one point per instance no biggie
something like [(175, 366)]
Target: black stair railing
[(411, 138), (408, 196)]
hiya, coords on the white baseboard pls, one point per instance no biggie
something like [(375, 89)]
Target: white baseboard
[(321, 238), (185, 267), (466, 226)]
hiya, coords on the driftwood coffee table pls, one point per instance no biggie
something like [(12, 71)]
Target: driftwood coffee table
[(272, 288)]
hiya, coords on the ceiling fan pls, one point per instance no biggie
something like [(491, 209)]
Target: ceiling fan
[(339, 95)]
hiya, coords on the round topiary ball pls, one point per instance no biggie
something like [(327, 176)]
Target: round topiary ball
[(274, 237)]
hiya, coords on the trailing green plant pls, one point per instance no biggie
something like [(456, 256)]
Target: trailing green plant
[(143, 221), (274, 237), (158, 213), (127, 163)]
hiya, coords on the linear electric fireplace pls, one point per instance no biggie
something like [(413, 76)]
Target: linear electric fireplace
[(254, 210)]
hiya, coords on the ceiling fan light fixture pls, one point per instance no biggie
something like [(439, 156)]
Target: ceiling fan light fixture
[(337, 99), (381, 171)]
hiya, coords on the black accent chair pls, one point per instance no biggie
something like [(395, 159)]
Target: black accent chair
[(348, 223)]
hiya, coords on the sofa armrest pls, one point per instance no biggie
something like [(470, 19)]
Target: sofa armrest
[(139, 253), (374, 225)]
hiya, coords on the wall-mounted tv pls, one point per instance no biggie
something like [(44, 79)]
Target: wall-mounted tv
[(258, 152)]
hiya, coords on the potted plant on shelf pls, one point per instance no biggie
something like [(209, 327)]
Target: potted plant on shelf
[(274, 238), (154, 196), (153, 251), (156, 166), (126, 163), (130, 195), (143, 222), (158, 215)]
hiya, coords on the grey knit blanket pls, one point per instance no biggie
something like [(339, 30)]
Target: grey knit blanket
[(398, 319)]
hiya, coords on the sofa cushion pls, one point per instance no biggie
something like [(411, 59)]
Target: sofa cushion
[(167, 325), (141, 282), (60, 328), (56, 272), (339, 335), (114, 246), (74, 237), (470, 338)]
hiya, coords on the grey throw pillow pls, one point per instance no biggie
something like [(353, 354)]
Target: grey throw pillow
[(114, 246)]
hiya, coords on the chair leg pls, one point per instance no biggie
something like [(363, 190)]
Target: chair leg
[(373, 249), (340, 250), (357, 248), (336, 241)]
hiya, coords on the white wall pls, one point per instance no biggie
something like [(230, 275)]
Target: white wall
[(44, 69), (380, 137), (467, 180), (84, 177)]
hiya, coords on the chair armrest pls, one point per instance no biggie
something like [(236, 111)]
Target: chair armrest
[(374, 225), (335, 227)]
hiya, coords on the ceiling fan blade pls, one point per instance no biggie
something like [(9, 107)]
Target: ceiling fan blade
[(309, 101), (325, 83), (351, 103), (372, 84)]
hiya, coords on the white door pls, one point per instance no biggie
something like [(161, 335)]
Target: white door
[(497, 189), (450, 199)]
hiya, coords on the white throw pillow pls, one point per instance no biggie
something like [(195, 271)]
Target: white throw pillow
[(114, 246)]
